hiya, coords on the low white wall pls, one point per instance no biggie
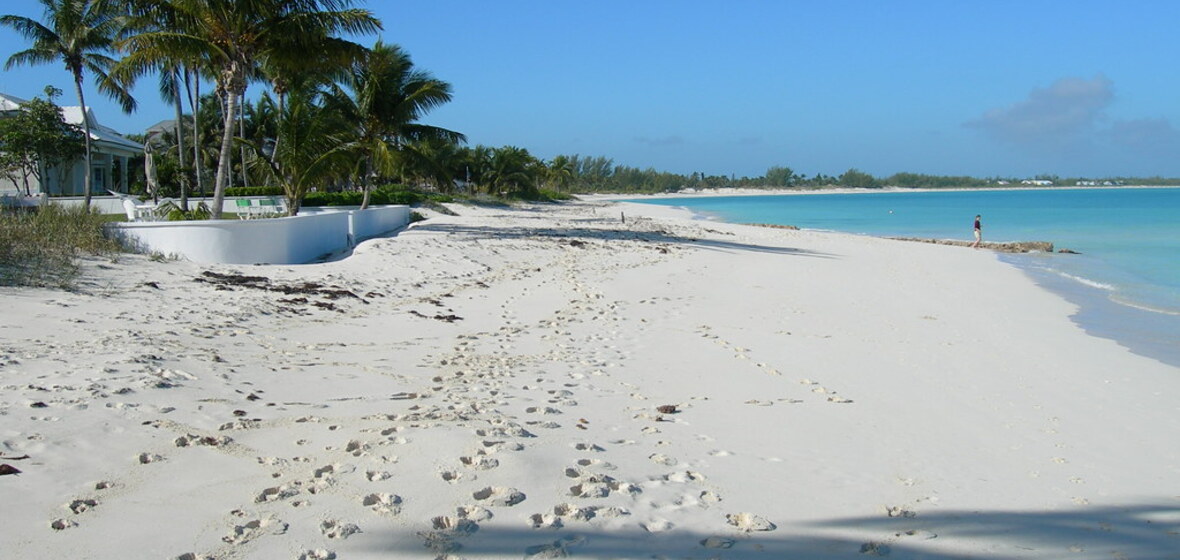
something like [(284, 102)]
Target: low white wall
[(292, 240), (376, 221)]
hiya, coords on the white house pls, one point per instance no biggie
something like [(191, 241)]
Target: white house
[(110, 151)]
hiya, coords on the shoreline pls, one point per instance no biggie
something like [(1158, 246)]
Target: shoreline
[(1097, 314), (550, 380), (704, 193)]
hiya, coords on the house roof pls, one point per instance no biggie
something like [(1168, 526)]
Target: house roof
[(73, 115), (98, 132), (10, 102)]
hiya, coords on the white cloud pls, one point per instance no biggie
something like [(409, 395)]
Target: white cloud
[(1063, 115)]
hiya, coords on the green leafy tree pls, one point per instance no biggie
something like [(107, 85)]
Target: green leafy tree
[(37, 139), (230, 39), (781, 177), (80, 34), (857, 179)]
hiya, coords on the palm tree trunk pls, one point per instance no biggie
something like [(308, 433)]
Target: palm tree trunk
[(180, 141), (365, 182), (223, 170), (86, 133), (195, 102), (242, 134)]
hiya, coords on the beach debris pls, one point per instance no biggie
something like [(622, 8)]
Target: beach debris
[(450, 318), (8, 469), (228, 282), (667, 409), (577, 243), (749, 522)]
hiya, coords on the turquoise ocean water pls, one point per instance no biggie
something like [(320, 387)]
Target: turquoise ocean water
[(1126, 280)]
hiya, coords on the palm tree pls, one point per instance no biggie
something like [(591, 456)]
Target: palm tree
[(230, 39), (384, 95), (311, 153), (80, 34), (560, 172), (514, 172)]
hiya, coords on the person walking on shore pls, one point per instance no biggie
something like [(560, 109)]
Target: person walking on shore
[(978, 233)]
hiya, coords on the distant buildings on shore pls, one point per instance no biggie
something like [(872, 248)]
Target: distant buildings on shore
[(1048, 183)]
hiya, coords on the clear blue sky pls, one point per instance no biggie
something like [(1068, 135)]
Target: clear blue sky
[(983, 88)]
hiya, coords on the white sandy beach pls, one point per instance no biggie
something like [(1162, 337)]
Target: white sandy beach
[(489, 385)]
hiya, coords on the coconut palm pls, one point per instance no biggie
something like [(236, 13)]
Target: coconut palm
[(80, 34), (560, 172), (231, 38), (310, 154), (384, 95), (514, 172)]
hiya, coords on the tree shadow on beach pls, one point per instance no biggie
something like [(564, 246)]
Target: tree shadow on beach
[(640, 230), (1133, 531)]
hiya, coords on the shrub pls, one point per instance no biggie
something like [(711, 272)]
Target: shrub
[(42, 247), (254, 191), (354, 198)]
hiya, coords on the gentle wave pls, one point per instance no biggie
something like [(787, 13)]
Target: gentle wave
[(1085, 281), (1141, 307)]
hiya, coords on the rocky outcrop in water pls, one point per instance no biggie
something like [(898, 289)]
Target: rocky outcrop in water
[(1012, 247)]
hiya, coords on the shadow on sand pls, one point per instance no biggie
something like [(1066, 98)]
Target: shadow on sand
[(635, 229), (1135, 532)]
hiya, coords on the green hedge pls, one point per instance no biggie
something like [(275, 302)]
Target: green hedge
[(377, 197), (254, 191)]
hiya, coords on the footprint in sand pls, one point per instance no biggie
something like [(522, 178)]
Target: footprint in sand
[(375, 476), (556, 549), (251, 530), (147, 458), (62, 524), (81, 505), (474, 513), (276, 493), (588, 447), (383, 503), (334, 529), (317, 554), (660, 458), (657, 525), (545, 521), (717, 542), (481, 462), (499, 496), (749, 522), (451, 476), (573, 512)]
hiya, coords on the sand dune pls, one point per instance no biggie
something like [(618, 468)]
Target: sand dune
[(551, 381)]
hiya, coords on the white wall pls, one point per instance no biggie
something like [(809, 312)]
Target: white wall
[(292, 240)]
